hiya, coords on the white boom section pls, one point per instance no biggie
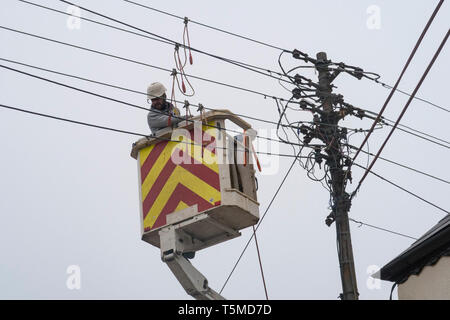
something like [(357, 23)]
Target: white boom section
[(174, 242)]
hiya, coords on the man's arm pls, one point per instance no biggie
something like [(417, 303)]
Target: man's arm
[(159, 120)]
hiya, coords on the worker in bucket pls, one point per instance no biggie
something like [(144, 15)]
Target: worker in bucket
[(162, 113)]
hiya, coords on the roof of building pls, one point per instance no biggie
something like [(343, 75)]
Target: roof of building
[(427, 250)]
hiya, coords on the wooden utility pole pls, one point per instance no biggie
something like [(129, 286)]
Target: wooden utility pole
[(331, 135)]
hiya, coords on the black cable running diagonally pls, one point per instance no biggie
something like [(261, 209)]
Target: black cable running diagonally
[(382, 229), (388, 122), (276, 193), (263, 94), (401, 165), (71, 121), (403, 189), (424, 75), (138, 134), (144, 93), (418, 135), (166, 40), (419, 41), (130, 104), (244, 116), (268, 45), (106, 97), (132, 133), (208, 26), (136, 62), (229, 60), (141, 135), (157, 67), (417, 98)]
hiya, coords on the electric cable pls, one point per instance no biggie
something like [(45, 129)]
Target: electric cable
[(71, 121), (403, 111), (401, 75), (382, 229), (384, 121), (144, 93), (399, 127), (401, 165), (260, 221), (167, 40), (144, 64), (417, 98), (122, 102), (207, 26), (260, 263), (273, 198), (403, 189), (221, 58), (129, 132), (137, 62)]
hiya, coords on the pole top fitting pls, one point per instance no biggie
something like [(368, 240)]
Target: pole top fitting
[(321, 56)]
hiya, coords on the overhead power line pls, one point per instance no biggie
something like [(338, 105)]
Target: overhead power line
[(157, 67), (139, 62), (238, 63), (71, 121), (221, 58), (419, 41), (266, 44), (129, 104), (401, 165), (403, 189), (208, 26), (382, 229), (404, 110), (143, 135), (165, 40), (130, 132), (260, 264), (409, 95), (270, 204), (384, 121), (417, 135), (145, 93), (260, 137), (153, 66)]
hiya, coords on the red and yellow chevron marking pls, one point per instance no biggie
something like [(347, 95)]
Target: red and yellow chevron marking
[(168, 187)]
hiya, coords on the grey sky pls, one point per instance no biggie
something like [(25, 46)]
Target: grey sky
[(69, 194)]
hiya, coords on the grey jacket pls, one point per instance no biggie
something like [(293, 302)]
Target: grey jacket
[(158, 119)]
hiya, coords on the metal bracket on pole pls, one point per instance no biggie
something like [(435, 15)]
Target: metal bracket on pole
[(174, 242)]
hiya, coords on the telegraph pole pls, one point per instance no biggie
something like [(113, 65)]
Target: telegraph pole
[(332, 135)]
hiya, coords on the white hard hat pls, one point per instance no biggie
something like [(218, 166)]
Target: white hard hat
[(155, 90)]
